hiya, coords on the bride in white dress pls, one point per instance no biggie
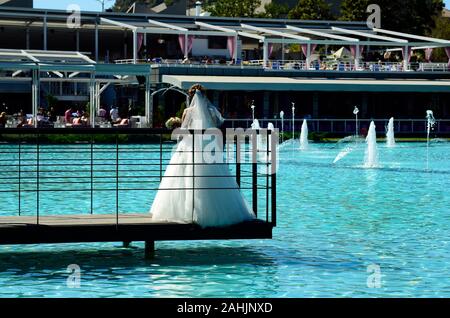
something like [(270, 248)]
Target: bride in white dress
[(204, 193)]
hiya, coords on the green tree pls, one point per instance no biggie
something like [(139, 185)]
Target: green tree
[(233, 8), (410, 16), (354, 10), (440, 31), (124, 5), (311, 10), (274, 10)]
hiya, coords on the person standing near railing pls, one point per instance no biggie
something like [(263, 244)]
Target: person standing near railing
[(114, 114), (68, 116), (3, 120), (197, 186)]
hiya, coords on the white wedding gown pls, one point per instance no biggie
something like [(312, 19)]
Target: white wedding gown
[(215, 200)]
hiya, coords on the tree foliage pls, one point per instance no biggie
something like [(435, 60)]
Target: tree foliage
[(311, 10), (410, 16), (354, 10), (233, 8), (275, 10), (440, 31), (124, 5)]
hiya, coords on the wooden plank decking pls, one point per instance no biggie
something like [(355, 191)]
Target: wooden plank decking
[(104, 228)]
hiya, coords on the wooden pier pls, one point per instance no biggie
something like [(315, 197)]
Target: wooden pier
[(130, 228), (33, 180)]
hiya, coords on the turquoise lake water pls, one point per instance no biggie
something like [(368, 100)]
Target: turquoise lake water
[(335, 222)]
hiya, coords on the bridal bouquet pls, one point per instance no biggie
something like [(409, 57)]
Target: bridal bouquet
[(173, 123)]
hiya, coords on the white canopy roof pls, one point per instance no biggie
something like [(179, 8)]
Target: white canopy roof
[(240, 83)]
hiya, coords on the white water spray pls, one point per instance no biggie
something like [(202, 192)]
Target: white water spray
[(282, 126), (356, 112), (371, 157), (304, 143), (390, 137), (431, 121)]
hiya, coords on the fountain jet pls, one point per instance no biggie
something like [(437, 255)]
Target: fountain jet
[(304, 143), (371, 157), (390, 137), (431, 121)]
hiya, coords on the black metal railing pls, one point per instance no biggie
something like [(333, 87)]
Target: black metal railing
[(51, 172)]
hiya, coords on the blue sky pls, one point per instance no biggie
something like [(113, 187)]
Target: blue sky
[(94, 5), (85, 5)]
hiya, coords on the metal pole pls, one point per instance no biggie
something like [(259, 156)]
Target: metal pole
[(406, 58), (308, 56), (96, 41), (117, 180), (35, 95), (274, 162), (235, 54), (238, 161), (186, 42), (193, 174), (27, 44), (92, 174), (255, 171), (293, 120), (45, 33), (268, 155), (357, 57), (77, 34), (148, 100), (37, 179), (265, 54), (92, 99), (135, 47), (20, 174)]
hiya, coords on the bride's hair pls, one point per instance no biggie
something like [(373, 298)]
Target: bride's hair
[(196, 87)]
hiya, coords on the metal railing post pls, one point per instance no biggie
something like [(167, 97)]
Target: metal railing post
[(255, 172), (268, 142), (193, 174), (92, 174), (20, 175), (117, 179), (37, 179), (274, 160), (238, 162)]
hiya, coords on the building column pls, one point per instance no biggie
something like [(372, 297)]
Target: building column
[(235, 54), (266, 105), (96, 42), (357, 57), (77, 39), (97, 98), (92, 98), (148, 103), (315, 113), (406, 59), (365, 105), (186, 43), (276, 105), (265, 54), (125, 45), (27, 44), (135, 46), (216, 99), (308, 57), (45, 33), (35, 94)]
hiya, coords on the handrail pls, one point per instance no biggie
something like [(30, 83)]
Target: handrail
[(32, 166), (301, 65)]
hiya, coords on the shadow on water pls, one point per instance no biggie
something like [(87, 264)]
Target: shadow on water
[(129, 258)]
